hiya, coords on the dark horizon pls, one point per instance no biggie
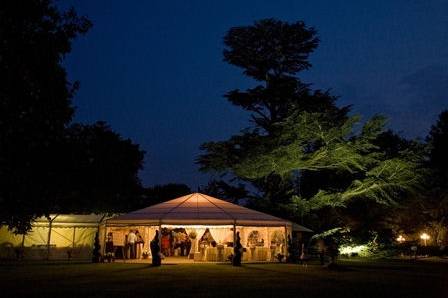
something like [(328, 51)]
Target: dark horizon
[(154, 72)]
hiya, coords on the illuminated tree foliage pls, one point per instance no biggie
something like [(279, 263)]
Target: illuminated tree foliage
[(272, 53), (306, 143), (299, 133)]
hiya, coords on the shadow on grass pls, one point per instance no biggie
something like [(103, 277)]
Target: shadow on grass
[(139, 267), (271, 270)]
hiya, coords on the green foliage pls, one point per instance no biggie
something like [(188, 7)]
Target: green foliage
[(272, 52), (303, 155), (308, 143), (334, 232)]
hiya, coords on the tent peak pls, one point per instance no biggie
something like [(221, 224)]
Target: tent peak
[(199, 208)]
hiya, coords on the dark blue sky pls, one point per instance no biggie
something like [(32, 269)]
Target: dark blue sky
[(154, 71)]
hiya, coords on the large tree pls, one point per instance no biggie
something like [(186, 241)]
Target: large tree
[(98, 171), (435, 203), (438, 147), (272, 53), (300, 134), (427, 210), (35, 102), (47, 164)]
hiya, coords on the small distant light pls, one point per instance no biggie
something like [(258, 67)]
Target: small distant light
[(425, 237), (401, 239)]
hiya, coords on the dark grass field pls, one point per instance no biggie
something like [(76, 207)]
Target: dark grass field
[(353, 279)]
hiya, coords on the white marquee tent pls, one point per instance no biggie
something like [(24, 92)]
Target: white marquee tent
[(262, 234), (63, 236), (197, 209)]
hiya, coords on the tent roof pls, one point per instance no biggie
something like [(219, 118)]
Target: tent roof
[(198, 208), (71, 220), (299, 228)]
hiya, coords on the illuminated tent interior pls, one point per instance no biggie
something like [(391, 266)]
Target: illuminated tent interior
[(61, 236), (214, 222)]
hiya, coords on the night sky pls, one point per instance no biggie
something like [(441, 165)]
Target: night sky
[(153, 69)]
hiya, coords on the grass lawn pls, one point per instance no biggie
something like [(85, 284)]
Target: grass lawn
[(355, 279)]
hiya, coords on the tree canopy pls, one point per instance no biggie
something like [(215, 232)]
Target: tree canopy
[(438, 147), (47, 163), (35, 102), (272, 52), (161, 193), (434, 201), (300, 134), (98, 171)]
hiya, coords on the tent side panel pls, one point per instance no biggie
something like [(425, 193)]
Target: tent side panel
[(8, 242), (61, 242), (84, 241), (35, 244)]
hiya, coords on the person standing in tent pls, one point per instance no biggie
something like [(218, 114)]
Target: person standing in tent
[(132, 238), (139, 245), (166, 244), (110, 250), (155, 250), (237, 251), (126, 247), (187, 245), (303, 257)]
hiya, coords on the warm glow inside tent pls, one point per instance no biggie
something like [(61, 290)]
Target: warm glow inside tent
[(61, 236), (214, 222)]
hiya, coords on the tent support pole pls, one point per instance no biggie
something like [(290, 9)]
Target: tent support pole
[(103, 247), (234, 233), (160, 235), (48, 240), (104, 239), (50, 223), (74, 233), (286, 242)]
